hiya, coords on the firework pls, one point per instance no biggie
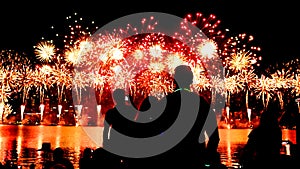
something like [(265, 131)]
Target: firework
[(210, 25), (43, 79), (232, 85), (283, 79), (264, 88), (98, 83), (208, 43), (63, 79), (242, 43), (200, 82), (154, 83), (26, 83), (240, 61), (68, 38), (296, 85), (81, 81), (45, 51), (283, 75), (5, 110), (5, 89), (144, 62), (217, 85), (14, 60), (208, 49)]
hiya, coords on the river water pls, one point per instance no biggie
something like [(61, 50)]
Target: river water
[(24, 141)]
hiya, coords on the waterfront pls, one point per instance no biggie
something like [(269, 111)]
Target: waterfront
[(26, 140)]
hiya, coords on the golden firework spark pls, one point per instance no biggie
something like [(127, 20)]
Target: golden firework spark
[(200, 81), (63, 79), (240, 60), (81, 81), (296, 85), (283, 79), (240, 44), (27, 82), (72, 56), (5, 89), (264, 88), (232, 85), (175, 60), (45, 51)]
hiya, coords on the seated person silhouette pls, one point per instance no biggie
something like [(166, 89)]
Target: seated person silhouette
[(85, 162), (59, 161)]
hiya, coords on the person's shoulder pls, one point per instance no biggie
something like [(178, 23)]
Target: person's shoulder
[(254, 132), (110, 111)]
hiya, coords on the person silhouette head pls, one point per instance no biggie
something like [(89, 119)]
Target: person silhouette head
[(60, 161), (58, 153), (183, 76), (87, 152)]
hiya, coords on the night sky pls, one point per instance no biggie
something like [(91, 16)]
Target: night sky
[(274, 25)]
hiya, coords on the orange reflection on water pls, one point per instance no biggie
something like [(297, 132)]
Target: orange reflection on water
[(30, 138), (76, 139), (289, 135), (231, 140)]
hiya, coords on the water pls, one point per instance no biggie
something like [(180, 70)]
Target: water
[(24, 141)]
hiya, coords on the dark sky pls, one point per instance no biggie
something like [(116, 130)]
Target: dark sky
[(274, 25)]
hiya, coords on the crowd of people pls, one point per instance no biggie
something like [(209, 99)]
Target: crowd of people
[(182, 115)]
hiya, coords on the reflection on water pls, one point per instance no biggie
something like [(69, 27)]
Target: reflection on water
[(21, 143), (230, 142), (24, 141)]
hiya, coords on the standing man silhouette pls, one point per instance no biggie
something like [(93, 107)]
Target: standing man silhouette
[(192, 151)]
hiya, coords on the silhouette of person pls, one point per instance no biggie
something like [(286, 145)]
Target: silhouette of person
[(264, 141), (120, 119), (85, 162), (59, 161), (192, 151)]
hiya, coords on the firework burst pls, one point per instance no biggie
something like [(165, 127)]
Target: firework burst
[(264, 88), (14, 60), (241, 61), (44, 51), (242, 43), (210, 25)]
